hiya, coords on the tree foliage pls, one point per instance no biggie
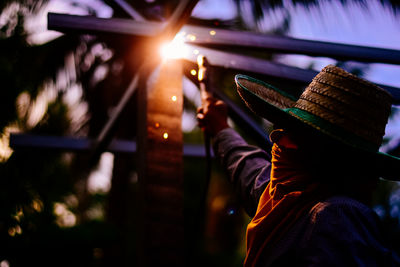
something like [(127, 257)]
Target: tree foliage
[(37, 187)]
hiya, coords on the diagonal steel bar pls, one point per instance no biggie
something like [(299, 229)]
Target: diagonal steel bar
[(222, 38), (129, 10), (179, 17), (106, 134), (264, 67)]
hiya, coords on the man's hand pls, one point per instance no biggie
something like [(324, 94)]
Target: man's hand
[(212, 117)]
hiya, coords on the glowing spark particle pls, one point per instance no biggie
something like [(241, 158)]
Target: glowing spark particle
[(165, 135), (193, 72), (157, 125), (174, 98), (18, 216), (196, 51), (191, 37), (213, 33)]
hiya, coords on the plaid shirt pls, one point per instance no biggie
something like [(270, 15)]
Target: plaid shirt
[(339, 231)]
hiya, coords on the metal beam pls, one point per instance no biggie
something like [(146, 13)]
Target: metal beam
[(74, 144), (140, 28), (265, 67), (222, 38), (225, 38), (90, 24), (249, 64)]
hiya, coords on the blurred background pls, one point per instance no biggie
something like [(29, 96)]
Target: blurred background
[(57, 209)]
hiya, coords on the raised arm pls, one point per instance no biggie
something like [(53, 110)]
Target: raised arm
[(248, 167)]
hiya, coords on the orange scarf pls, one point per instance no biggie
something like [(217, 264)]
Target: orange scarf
[(290, 193)]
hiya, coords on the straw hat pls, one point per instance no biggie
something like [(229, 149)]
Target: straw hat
[(336, 104)]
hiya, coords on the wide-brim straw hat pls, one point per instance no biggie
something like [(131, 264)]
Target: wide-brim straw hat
[(336, 104)]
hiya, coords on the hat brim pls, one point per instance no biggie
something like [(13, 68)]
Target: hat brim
[(277, 106)]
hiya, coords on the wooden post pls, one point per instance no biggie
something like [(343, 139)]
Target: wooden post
[(160, 158)]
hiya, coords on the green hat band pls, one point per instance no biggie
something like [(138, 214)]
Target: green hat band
[(332, 130)]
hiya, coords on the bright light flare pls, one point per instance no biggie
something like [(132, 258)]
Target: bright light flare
[(175, 49)]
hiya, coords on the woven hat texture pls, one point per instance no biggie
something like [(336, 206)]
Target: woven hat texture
[(348, 101)]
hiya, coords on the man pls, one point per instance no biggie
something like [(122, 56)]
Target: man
[(309, 201)]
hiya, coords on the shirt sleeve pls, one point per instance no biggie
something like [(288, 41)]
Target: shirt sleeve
[(248, 167), (344, 232)]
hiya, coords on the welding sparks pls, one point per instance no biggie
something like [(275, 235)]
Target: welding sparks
[(175, 49)]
